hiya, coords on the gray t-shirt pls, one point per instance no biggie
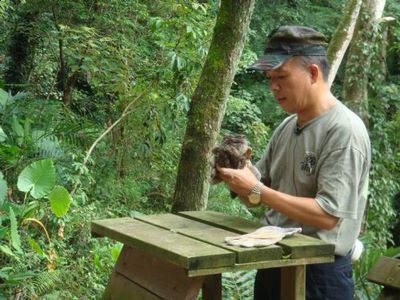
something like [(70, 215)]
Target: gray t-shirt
[(327, 159)]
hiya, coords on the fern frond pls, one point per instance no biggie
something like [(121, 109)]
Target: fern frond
[(15, 239), (47, 146), (239, 285), (76, 135), (45, 282)]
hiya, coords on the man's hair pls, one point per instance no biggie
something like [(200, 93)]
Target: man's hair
[(320, 61)]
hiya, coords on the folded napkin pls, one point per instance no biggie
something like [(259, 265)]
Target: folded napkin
[(264, 236)]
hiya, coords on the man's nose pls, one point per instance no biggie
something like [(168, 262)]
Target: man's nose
[(274, 86)]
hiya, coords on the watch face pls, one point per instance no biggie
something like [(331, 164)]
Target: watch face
[(254, 198)]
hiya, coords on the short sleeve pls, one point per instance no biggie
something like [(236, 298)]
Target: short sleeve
[(340, 176), (263, 165)]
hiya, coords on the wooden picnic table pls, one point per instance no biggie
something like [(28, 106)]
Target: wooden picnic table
[(174, 256)]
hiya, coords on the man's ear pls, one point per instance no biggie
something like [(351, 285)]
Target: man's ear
[(315, 72)]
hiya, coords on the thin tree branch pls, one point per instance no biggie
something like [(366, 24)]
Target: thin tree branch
[(125, 113)]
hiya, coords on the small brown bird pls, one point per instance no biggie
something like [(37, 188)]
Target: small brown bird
[(234, 152)]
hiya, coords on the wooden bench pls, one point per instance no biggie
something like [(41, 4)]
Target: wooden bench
[(174, 256), (386, 272)]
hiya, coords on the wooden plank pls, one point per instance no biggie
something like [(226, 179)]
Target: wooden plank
[(386, 272), (300, 245), (163, 279), (221, 220), (264, 265), (212, 235), (293, 282), (296, 246), (170, 246), (120, 288)]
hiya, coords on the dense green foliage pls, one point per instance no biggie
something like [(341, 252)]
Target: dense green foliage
[(86, 65)]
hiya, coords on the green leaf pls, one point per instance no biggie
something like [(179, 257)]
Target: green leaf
[(3, 189), (17, 127), (15, 239), (180, 63), (17, 278), (3, 97), (60, 200), (4, 274), (115, 251), (17, 208), (36, 247), (38, 178), (30, 209), (6, 250), (3, 231), (3, 135)]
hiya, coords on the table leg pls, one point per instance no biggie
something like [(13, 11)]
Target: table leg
[(212, 287), (293, 281)]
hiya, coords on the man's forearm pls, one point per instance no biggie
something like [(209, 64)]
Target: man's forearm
[(300, 209)]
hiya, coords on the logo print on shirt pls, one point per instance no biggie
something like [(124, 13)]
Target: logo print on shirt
[(309, 163)]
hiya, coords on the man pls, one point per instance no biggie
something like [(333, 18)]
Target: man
[(315, 168)]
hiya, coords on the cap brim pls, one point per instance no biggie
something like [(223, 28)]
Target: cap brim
[(268, 62)]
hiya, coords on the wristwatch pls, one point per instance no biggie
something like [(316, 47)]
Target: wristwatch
[(255, 194)]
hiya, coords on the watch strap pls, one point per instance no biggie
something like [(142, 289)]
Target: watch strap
[(257, 188)]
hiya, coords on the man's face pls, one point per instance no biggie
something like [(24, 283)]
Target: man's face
[(290, 84)]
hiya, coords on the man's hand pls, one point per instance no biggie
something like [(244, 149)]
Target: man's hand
[(240, 181)]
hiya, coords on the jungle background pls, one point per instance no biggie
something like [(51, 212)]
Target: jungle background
[(94, 97)]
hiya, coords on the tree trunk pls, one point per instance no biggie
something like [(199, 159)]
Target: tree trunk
[(382, 56), (208, 104), (342, 37), (68, 90), (355, 89), (21, 50)]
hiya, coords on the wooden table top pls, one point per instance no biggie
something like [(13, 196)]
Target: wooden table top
[(194, 240)]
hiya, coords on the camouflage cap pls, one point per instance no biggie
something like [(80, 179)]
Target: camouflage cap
[(285, 42)]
